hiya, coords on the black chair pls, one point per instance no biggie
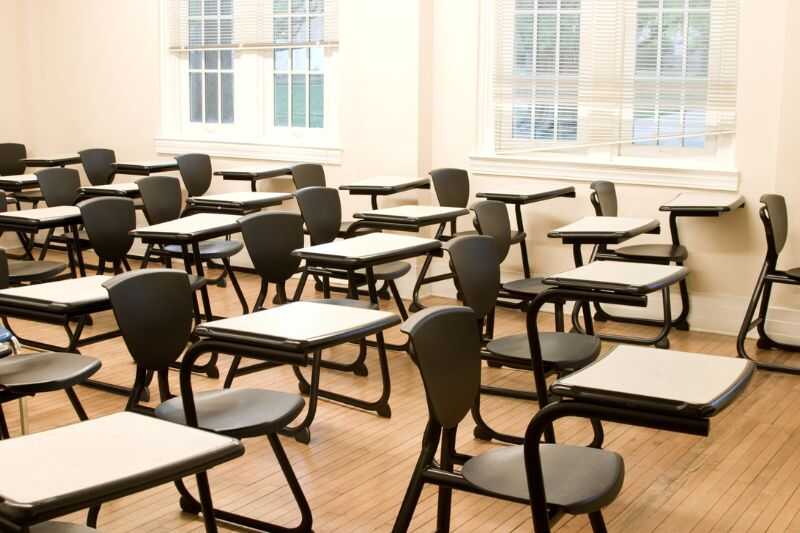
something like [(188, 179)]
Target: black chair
[(604, 201), (97, 165), (31, 374), (195, 172), (108, 222), (161, 196), (322, 212), (29, 271), (445, 344), (774, 216), (308, 175), (11, 156), (156, 336), (491, 218), (473, 259), (61, 186)]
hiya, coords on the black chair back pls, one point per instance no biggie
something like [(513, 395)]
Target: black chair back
[(775, 217), (604, 198), (60, 186), (270, 239), (5, 278), (161, 196), (322, 211), (97, 165), (11, 155), (308, 175), (108, 222), (154, 312), (491, 218), (473, 259), (446, 347), (451, 186), (195, 172)]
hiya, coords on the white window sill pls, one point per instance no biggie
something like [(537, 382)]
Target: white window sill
[(658, 172), (295, 153)]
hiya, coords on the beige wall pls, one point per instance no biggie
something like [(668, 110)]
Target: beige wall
[(88, 76)]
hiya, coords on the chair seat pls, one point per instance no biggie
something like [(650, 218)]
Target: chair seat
[(197, 282), (344, 228), (793, 273), (576, 478), (61, 527), (518, 236), (216, 249), (526, 287), (31, 195), (389, 271), (43, 372), (645, 252), (237, 413), (564, 351), (32, 271)]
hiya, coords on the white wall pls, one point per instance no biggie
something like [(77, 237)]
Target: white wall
[(88, 76)]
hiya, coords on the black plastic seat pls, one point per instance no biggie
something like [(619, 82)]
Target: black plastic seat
[(11, 156), (216, 249), (793, 273), (648, 252), (108, 222), (20, 271), (388, 271), (239, 413), (563, 351), (579, 479), (45, 372), (525, 287)]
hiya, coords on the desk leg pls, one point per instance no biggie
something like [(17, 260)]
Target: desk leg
[(582, 305), (374, 201), (422, 280), (210, 368), (76, 239), (523, 246), (253, 186)]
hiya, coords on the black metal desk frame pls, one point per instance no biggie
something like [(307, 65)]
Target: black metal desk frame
[(373, 191), (253, 176)]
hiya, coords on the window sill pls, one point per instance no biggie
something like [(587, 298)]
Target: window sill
[(295, 153), (661, 172)]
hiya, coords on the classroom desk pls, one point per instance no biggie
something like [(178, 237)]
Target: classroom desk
[(19, 182), (125, 190), (295, 334), (384, 186), (65, 302), (144, 168), (61, 160), (520, 195), (412, 218), (60, 471), (235, 203), (659, 389), (31, 221), (253, 174)]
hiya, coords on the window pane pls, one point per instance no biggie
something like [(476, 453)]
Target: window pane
[(570, 4), (280, 30), (546, 44), (299, 100), (226, 31), (212, 60), (544, 115), (299, 59), (281, 99), (648, 4), (298, 6), (316, 101), (524, 4), (673, 4), (195, 60), (316, 6), (211, 31), (669, 117), (226, 59), (195, 33), (567, 114), (280, 6), (227, 98), (195, 97), (521, 113), (672, 44), (212, 97), (226, 7), (316, 29), (569, 44), (194, 8), (695, 116), (646, 43), (299, 29), (210, 8), (697, 53), (699, 4), (546, 4), (317, 59), (281, 59), (523, 45)]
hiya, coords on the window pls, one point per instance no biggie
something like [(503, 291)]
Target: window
[(616, 77), (255, 71)]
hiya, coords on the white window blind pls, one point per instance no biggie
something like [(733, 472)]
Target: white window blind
[(580, 73), (250, 24)]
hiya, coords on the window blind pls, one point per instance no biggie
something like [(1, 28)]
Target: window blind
[(250, 24), (579, 73)]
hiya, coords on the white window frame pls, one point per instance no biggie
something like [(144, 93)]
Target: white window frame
[(252, 135), (641, 165)]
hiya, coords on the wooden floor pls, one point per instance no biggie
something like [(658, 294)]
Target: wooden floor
[(744, 477)]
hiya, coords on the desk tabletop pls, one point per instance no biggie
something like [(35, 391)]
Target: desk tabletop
[(413, 213), (692, 383), (527, 193), (602, 227), (192, 225), (151, 166), (704, 202), (122, 188), (253, 172), (45, 214), (242, 198), (56, 160), (387, 184), (68, 292), (370, 247), (73, 465), (620, 276), (301, 323), (19, 179)]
